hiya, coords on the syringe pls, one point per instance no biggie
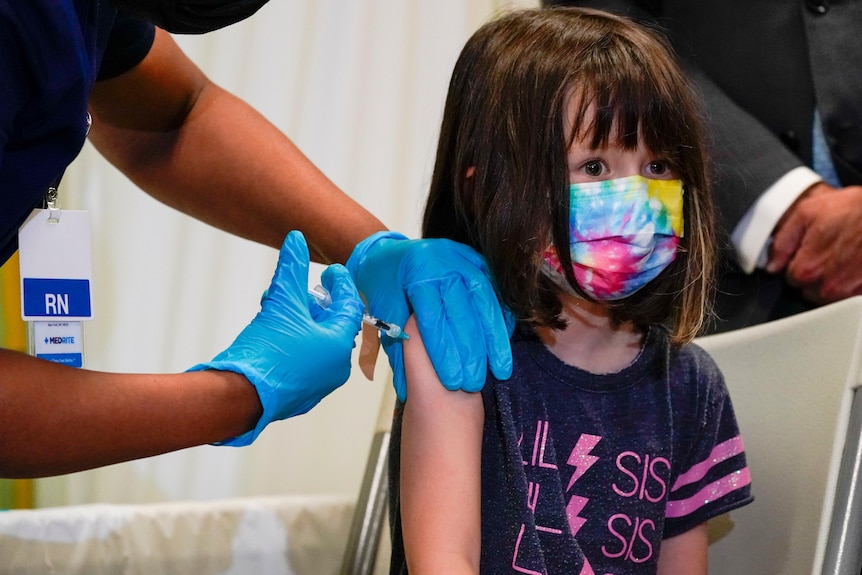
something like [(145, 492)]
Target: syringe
[(323, 299)]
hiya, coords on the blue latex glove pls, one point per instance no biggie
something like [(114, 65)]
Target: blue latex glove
[(446, 286), (294, 352)]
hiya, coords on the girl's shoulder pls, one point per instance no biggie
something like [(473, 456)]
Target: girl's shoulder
[(696, 384), (689, 372), (686, 361), (694, 358)]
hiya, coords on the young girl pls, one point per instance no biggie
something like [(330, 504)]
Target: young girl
[(571, 157)]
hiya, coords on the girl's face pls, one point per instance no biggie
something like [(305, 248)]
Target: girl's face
[(593, 165), (625, 219)]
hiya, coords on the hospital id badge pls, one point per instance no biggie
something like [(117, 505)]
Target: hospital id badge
[(56, 275)]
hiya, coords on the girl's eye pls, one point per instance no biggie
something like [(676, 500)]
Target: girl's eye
[(658, 168), (593, 168)]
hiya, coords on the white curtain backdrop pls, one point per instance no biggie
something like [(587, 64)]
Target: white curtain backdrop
[(359, 86)]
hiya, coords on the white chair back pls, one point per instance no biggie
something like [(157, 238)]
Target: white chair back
[(792, 382)]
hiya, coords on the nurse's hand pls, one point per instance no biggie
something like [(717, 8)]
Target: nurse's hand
[(294, 352), (446, 286)]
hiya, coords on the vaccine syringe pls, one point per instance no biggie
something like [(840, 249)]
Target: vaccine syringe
[(323, 299)]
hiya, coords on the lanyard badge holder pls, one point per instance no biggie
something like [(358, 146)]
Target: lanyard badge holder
[(56, 274)]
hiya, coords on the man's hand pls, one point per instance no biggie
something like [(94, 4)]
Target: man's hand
[(818, 243)]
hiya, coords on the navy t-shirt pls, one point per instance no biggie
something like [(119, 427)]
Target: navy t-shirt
[(51, 53), (586, 473)]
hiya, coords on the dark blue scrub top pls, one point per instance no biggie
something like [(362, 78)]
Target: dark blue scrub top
[(51, 53)]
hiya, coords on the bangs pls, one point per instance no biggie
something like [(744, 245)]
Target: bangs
[(635, 92)]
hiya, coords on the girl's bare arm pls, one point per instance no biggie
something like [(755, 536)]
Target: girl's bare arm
[(441, 449)]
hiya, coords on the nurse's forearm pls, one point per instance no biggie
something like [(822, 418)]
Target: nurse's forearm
[(56, 419)]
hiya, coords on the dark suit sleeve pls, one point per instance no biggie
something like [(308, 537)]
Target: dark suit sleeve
[(746, 157)]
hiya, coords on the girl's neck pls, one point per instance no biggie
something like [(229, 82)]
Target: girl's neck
[(589, 341)]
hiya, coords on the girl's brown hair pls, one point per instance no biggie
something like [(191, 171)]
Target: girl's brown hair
[(500, 182)]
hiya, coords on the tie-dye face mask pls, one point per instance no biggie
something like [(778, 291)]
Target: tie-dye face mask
[(622, 234)]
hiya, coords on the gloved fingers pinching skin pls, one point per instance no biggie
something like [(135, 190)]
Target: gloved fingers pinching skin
[(474, 319), (291, 357), (444, 323), (447, 287)]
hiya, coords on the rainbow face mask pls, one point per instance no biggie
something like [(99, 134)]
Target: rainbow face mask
[(622, 234)]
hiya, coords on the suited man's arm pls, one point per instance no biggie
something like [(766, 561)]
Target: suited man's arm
[(813, 227), (756, 178), (747, 157)]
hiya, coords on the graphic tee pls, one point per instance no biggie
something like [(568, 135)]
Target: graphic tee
[(586, 474)]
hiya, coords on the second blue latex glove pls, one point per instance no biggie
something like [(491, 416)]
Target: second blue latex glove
[(294, 352), (447, 288)]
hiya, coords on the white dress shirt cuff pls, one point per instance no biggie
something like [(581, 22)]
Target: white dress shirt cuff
[(752, 234)]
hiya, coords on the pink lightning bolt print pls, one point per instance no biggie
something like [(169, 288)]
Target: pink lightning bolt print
[(580, 457)]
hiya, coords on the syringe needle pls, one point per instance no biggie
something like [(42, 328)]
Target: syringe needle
[(323, 299)]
